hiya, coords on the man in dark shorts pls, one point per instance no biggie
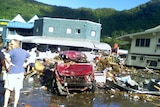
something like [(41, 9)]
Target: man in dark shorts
[(2, 64), (2, 57)]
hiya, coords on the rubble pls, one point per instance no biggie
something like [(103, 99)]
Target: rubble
[(136, 77), (111, 68)]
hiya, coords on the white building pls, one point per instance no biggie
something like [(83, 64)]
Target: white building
[(145, 48)]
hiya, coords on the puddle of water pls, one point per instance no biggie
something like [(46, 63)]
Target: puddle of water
[(35, 96)]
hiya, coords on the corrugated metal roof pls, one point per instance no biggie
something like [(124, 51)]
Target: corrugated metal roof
[(20, 25)]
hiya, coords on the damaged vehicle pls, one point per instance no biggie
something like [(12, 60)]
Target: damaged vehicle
[(73, 74)]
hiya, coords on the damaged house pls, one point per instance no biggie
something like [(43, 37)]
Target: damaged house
[(144, 48)]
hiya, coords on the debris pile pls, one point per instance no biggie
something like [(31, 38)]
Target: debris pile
[(137, 83), (134, 83)]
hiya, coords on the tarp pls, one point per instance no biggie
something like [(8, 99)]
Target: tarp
[(102, 46)]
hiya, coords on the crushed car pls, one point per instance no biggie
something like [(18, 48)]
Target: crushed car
[(73, 74)]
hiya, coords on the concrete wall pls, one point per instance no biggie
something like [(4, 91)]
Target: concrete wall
[(67, 28)]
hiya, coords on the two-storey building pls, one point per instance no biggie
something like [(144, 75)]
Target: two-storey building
[(67, 28), (145, 48), (56, 33), (67, 34)]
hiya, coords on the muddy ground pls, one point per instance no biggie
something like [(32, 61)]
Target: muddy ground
[(36, 95)]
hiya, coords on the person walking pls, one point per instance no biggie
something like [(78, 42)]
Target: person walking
[(15, 74)]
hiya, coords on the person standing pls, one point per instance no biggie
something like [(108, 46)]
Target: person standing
[(2, 57), (31, 60), (15, 74), (2, 65)]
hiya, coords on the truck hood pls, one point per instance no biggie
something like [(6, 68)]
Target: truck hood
[(74, 69)]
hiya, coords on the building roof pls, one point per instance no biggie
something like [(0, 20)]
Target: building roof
[(148, 31), (157, 28), (4, 22), (19, 22), (72, 20), (18, 18), (35, 17), (66, 42), (20, 25)]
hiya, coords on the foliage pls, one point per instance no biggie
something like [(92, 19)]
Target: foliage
[(114, 23)]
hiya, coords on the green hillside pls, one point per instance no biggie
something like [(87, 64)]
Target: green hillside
[(114, 23)]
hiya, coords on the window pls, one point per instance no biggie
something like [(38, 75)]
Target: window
[(152, 63), (142, 42), (159, 40), (78, 31), (93, 33), (147, 42), (133, 57), (1, 29), (50, 29), (37, 29), (141, 58), (137, 42), (12, 32), (158, 44), (69, 31)]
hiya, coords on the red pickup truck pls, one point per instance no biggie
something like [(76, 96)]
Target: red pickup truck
[(76, 76)]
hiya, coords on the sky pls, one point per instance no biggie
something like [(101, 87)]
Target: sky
[(94, 4)]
